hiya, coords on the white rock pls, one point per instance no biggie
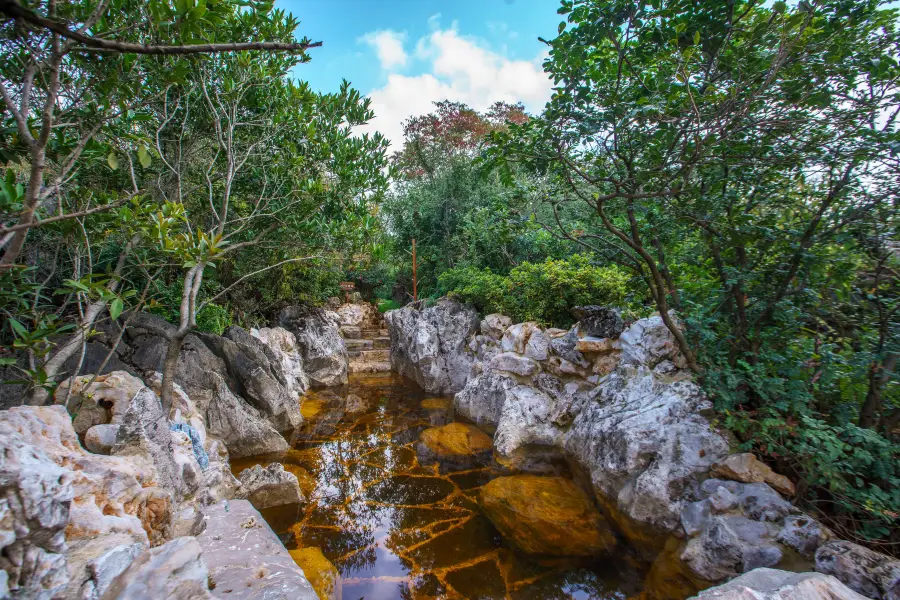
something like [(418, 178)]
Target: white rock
[(772, 584), (494, 325), (514, 363)]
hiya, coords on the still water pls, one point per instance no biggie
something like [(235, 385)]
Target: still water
[(398, 527)]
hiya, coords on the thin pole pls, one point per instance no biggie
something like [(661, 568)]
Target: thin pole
[(415, 281)]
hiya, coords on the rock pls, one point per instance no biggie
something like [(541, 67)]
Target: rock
[(269, 486), (599, 321), (546, 515), (176, 570), (606, 364), (453, 442), (240, 426), (107, 558), (772, 584), (428, 345), (246, 559), (514, 363), (55, 496), (538, 346), (804, 534), (483, 398), (649, 342), (762, 503), (320, 343), (100, 439), (565, 347), (872, 574), (747, 468), (516, 337), (363, 315), (144, 431), (97, 400), (694, 516), (256, 372), (323, 575), (598, 345), (284, 344), (494, 325)]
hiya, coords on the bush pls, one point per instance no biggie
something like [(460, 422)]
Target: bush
[(543, 292)]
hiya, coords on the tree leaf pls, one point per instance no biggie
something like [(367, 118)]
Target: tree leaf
[(113, 161), (115, 308), (144, 156)]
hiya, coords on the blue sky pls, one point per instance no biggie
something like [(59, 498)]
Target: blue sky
[(405, 54)]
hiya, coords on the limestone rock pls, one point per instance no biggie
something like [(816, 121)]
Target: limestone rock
[(804, 534), (538, 346), (246, 559), (649, 342), (176, 570), (868, 572), (323, 575), (101, 439), (772, 584), (599, 321), (514, 363), (494, 325), (428, 345), (284, 344), (565, 347), (546, 515), (593, 344), (240, 426), (97, 400), (320, 343), (516, 337), (745, 467), (101, 560), (269, 486)]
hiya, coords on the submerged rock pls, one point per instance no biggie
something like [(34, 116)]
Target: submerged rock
[(428, 345), (772, 584), (455, 443), (546, 515), (269, 486), (323, 575)]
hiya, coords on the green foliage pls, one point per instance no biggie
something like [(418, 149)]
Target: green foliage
[(386, 305), (543, 292), (213, 318)]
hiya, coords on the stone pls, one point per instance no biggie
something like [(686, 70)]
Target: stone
[(762, 503), (144, 431), (745, 467), (241, 427), (323, 575), (319, 342), (772, 584), (55, 496), (514, 363), (546, 515), (256, 374), (105, 568), (516, 337), (97, 400), (648, 342), (269, 486), (804, 534), (483, 399), (494, 325), (428, 345), (868, 572), (599, 321), (101, 439), (176, 570), (598, 345), (284, 344), (606, 364), (246, 560), (538, 346), (694, 517), (436, 403), (455, 440), (722, 500), (565, 347)]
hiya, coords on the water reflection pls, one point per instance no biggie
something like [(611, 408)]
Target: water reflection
[(396, 528)]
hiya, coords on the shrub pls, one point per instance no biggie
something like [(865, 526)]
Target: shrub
[(543, 292)]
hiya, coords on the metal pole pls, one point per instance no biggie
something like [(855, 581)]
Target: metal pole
[(415, 282)]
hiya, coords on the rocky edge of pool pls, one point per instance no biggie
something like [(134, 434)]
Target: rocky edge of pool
[(426, 453)]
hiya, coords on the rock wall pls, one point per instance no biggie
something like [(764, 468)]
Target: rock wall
[(427, 344), (626, 412), (320, 343)]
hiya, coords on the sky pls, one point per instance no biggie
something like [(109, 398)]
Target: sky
[(406, 54)]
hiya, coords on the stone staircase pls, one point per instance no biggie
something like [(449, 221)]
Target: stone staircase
[(368, 344)]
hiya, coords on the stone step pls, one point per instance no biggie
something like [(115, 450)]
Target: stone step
[(351, 331), (356, 344), (382, 342), (373, 333), (368, 367), (380, 355)]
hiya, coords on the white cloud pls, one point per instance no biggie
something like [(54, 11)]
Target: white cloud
[(457, 68), (389, 47)]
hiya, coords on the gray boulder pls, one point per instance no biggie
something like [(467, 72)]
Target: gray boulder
[(428, 345), (494, 325), (566, 348), (772, 584), (176, 570), (269, 486), (243, 430), (320, 343), (868, 572), (599, 321)]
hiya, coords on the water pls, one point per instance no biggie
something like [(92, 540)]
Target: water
[(397, 528)]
